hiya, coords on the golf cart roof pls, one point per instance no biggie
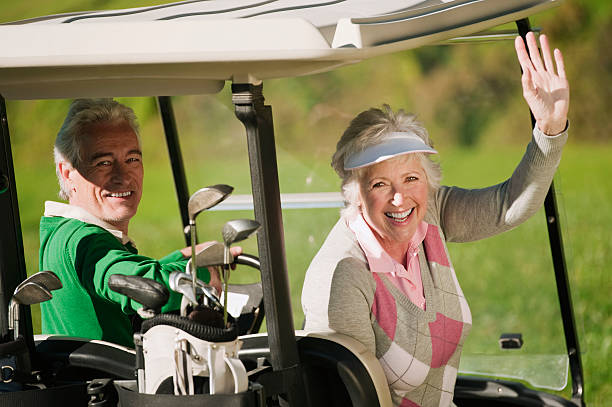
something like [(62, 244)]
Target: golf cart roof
[(193, 47)]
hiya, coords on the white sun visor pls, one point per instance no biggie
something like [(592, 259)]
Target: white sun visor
[(395, 144)]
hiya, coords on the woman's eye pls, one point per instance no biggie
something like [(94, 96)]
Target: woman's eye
[(411, 178), (378, 185)]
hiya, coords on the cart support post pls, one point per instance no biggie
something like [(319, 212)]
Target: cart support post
[(560, 267), (12, 259), (257, 119), (164, 104)]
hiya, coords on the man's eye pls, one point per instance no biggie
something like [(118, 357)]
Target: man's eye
[(104, 163), (133, 160)]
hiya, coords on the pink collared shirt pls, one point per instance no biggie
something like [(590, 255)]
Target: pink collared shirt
[(407, 281)]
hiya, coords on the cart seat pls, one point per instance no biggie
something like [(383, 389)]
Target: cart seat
[(338, 370)]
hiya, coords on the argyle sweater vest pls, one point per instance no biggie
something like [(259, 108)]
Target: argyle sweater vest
[(420, 350)]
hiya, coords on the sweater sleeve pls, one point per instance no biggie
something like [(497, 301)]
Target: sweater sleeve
[(172, 257), (473, 214), (350, 302), (97, 255)]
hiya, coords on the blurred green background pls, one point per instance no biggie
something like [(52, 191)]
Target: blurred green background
[(469, 98)]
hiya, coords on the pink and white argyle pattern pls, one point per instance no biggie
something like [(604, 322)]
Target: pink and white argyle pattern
[(422, 356)]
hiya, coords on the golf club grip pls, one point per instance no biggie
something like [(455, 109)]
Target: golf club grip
[(247, 260)]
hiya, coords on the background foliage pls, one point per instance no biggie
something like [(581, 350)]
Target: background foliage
[(469, 99)]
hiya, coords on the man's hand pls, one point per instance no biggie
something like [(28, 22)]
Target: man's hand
[(546, 92), (215, 277), (215, 272)]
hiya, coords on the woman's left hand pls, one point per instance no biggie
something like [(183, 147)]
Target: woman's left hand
[(546, 92)]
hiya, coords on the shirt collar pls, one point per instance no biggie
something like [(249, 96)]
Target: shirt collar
[(78, 213), (378, 259)]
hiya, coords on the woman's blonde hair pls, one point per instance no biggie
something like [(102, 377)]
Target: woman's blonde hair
[(367, 129)]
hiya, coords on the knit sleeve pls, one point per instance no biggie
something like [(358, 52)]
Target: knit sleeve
[(350, 302), (473, 214), (97, 255)]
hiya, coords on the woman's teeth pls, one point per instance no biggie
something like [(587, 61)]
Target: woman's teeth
[(399, 216), (120, 194)]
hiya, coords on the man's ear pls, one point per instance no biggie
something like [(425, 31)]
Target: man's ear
[(64, 169)]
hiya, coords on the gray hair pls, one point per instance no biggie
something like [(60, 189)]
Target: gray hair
[(367, 129), (82, 114)]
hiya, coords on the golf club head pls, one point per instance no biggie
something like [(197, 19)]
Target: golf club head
[(27, 293), (210, 293), (181, 283), (238, 229), (207, 197), (212, 255), (45, 278), (31, 293)]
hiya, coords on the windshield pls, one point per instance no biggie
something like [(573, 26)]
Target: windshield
[(509, 283)]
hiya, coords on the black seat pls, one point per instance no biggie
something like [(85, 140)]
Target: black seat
[(338, 370)]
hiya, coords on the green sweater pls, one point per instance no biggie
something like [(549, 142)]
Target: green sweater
[(84, 256)]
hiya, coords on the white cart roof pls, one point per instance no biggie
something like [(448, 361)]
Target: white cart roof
[(192, 47)]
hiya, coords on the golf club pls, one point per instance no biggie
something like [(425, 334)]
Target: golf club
[(26, 294), (213, 255), (181, 283), (234, 231), (45, 278), (201, 200)]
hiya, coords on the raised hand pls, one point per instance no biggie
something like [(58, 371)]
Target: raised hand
[(546, 92)]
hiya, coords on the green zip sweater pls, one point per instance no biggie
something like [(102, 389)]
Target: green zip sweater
[(84, 256)]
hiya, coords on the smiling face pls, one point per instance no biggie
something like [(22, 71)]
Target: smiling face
[(394, 201), (108, 182)]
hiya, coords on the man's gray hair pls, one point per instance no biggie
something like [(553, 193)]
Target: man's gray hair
[(82, 114), (367, 129)]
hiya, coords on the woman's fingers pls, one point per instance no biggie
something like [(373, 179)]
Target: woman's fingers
[(521, 53), (548, 62), (534, 52), (560, 63), (527, 80)]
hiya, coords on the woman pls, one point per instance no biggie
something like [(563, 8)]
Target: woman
[(383, 276)]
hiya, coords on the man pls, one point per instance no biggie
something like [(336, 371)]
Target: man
[(99, 168)]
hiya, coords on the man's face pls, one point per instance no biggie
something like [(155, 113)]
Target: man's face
[(108, 183)]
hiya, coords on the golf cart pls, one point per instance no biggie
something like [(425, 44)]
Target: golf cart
[(193, 48)]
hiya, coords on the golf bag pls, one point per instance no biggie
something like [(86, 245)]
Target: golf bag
[(183, 357)]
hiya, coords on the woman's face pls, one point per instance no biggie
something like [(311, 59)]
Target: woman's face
[(394, 198)]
